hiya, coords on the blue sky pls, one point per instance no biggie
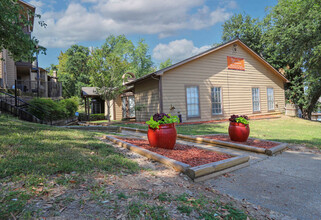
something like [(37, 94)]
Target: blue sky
[(172, 29)]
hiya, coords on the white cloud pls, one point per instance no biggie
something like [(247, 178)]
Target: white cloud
[(103, 17), (37, 4), (177, 50)]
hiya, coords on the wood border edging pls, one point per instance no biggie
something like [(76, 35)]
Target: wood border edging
[(200, 140), (206, 169), (269, 152), (276, 149), (221, 143), (133, 129), (177, 165), (198, 173), (94, 127)]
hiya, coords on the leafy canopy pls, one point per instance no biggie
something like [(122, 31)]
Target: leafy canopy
[(165, 64), (13, 19), (73, 70)]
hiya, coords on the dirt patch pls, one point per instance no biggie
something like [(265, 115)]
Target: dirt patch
[(251, 141), (190, 155), (156, 192)]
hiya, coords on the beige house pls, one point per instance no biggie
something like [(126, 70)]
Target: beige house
[(227, 79)]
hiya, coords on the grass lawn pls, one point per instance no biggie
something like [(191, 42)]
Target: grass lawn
[(30, 154), (48, 171), (285, 129)]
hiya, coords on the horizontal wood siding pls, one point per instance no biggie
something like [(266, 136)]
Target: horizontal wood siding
[(211, 70), (115, 109), (118, 109), (11, 70), (147, 97)]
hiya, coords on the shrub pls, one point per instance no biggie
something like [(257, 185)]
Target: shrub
[(96, 117), (70, 105), (49, 110), (92, 117)]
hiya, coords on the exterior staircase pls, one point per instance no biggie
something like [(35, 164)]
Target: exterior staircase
[(17, 107)]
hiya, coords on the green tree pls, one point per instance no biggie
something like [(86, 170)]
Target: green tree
[(73, 70), (294, 33), (13, 17), (165, 64), (248, 29), (142, 63), (106, 69)]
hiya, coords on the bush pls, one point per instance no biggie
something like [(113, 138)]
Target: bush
[(49, 110), (92, 117), (71, 106), (96, 117)]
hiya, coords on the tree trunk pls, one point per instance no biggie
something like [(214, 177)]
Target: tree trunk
[(108, 111), (313, 101)]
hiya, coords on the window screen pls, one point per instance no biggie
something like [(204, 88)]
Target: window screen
[(270, 98), (192, 99), (216, 95), (256, 99)]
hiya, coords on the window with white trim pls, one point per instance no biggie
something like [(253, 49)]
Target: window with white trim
[(216, 95), (192, 101), (270, 98), (256, 99)]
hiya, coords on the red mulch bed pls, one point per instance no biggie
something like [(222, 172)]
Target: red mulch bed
[(250, 141), (190, 155)]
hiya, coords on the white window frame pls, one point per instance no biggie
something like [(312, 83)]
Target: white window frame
[(191, 102), (124, 106), (213, 101), (256, 99), (270, 100)]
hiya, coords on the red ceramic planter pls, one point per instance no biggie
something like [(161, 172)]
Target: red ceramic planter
[(238, 131), (164, 137)]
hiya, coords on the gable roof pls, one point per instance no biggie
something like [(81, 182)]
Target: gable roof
[(211, 50), (89, 92)]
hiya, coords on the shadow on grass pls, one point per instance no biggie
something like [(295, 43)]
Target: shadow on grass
[(27, 148)]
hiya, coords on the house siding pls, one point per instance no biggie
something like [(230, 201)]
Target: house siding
[(147, 96), (11, 70), (211, 70), (118, 108)]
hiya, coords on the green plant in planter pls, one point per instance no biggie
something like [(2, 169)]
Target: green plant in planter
[(239, 119), (161, 118)]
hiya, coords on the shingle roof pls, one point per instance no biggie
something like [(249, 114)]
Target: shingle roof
[(89, 91)]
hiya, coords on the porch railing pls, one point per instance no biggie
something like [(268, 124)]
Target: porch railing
[(38, 88)]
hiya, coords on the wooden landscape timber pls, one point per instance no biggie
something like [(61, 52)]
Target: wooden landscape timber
[(198, 173), (274, 150), (179, 166)]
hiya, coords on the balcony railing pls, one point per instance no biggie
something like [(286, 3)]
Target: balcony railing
[(39, 88)]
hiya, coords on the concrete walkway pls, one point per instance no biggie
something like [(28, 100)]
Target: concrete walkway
[(289, 183)]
